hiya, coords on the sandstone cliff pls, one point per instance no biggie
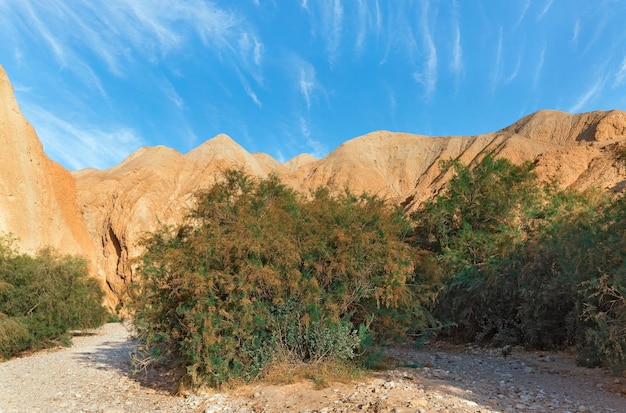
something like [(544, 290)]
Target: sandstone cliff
[(37, 196)]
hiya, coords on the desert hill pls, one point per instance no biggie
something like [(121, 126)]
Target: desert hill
[(103, 214)]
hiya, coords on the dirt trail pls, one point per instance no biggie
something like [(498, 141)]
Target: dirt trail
[(95, 376)]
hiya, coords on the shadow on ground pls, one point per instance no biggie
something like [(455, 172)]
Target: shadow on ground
[(121, 356)]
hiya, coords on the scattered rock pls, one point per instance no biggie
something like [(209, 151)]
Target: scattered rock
[(95, 376)]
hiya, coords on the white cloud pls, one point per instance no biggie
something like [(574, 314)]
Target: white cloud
[(250, 48), (362, 13), (121, 32), (327, 22), (92, 145), (306, 79), (523, 13), (588, 95), (620, 76), (545, 9), (248, 89), (172, 95), (333, 27), (427, 77), (315, 147), (368, 21), (278, 155), (515, 71), (497, 67), (252, 95), (539, 69), (258, 52), (576, 33), (304, 127), (456, 65)]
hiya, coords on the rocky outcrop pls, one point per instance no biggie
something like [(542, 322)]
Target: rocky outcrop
[(38, 202)]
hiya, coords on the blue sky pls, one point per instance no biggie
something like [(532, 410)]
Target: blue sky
[(100, 78)]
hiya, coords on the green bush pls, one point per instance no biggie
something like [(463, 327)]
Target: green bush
[(13, 336), (43, 297), (527, 264), (259, 273), (476, 228)]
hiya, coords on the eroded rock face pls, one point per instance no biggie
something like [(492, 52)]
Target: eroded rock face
[(103, 215), (37, 196)]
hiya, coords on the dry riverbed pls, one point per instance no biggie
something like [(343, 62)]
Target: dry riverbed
[(95, 375)]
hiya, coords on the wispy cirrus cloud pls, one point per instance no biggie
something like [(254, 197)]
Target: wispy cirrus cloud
[(513, 75), (620, 76), (327, 19), (304, 127), (497, 67), (251, 93), (251, 51), (456, 64), (334, 29), (92, 145), (119, 32), (428, 76), (172, 95), (369, 21), (575, 34), (545, 9), (588, 95), (539, 69), (314, 147), (92, 42), (305, 77), (520, 19)]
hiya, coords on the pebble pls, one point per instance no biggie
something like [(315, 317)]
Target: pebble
[(470, 380)]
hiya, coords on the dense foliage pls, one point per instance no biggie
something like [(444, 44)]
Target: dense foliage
[(259, 274), (527, 264), (42, 298)]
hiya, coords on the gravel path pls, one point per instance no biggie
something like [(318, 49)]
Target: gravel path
[(95, 376)]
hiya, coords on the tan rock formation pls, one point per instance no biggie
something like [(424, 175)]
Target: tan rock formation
[(37, 196), (153, 186)]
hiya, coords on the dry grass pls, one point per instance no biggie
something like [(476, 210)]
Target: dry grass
[(321, 374)]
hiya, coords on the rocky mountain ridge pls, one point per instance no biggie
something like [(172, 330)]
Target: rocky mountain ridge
[(103, 214)]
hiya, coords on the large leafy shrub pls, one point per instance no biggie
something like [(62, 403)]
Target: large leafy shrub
[(42, 297), (525, 263), (258, 274), (475, 227), (580, 265)]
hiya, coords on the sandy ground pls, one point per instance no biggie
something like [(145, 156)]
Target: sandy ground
[(95, 375)]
